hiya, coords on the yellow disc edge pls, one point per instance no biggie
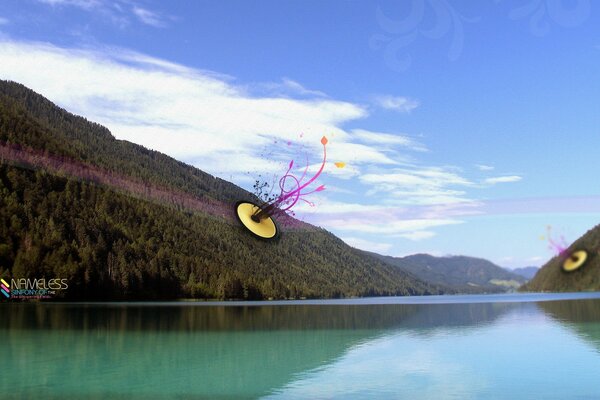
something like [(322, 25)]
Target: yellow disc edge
[(569, 265)]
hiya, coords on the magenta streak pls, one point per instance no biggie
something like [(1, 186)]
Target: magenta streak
[(305, 170), (30, 158), (319, 189), (282, 186), (4, 287), (560, 248), (311, 180), (310, 203)]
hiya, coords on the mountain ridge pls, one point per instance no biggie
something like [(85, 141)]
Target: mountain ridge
[(111, 245), (526, 272), (461, 273)]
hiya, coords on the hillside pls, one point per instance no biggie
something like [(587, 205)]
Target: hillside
[(119, 221), (526, 272), (551, 277), (462, 274)]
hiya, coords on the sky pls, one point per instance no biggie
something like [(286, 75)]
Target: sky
[(466, 127)]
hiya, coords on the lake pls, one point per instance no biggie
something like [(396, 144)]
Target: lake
[(513, 346)]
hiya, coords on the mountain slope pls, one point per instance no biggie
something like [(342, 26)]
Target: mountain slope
[(31, 120), (119, 244), (461, 273), (551, 277)]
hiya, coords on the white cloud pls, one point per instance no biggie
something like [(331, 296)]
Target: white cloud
[(84, 4), (299, 89), (148, 17), (285, 88), (503, 179), (386, 222), (483, 167), (520, 262), (423, 177), (381, 138), (396, 103), (362, 244), (419, 185), (418, 235), (377, 226), (183, 112), (119, 11)]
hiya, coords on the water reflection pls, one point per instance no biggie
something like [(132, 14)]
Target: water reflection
[(582, 316), (307, 351), (169, 318), (523, 354)]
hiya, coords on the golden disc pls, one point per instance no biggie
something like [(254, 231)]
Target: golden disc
[(575, 261), (264, 228)]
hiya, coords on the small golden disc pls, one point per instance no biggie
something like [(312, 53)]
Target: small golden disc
[(264, 227), (575, 261)]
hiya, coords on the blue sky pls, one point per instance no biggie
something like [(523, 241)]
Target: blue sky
[(467, 127)]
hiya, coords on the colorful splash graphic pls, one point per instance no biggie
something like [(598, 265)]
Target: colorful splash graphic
[(559, 247), (292, 189), (258, 220)]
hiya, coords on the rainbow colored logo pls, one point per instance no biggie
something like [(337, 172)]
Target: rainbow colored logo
[(5, 288)]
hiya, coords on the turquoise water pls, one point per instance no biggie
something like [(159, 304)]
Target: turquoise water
[(439, 347)]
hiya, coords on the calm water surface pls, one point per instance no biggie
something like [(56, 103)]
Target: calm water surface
[(440, 347)]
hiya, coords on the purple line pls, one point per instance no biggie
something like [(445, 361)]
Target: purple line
[(3, 286)]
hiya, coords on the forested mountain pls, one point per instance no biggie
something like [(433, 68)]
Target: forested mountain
[(526, 272), (552, 278), (29, 119), (462, 274), (119, 221)]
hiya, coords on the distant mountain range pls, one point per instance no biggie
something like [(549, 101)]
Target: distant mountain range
[(526, 272), (460, 273), (552, 278)]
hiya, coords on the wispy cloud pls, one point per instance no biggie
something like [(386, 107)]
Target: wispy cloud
[(4, 21), (149, 17), (503, 179), (285, 88), (119, 12), (419, 185), (298, 88), (418, 235), (208, 120), (192, 115), (483, 167), (387, 139), (386, 227), (396, 103), (83, 4)]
